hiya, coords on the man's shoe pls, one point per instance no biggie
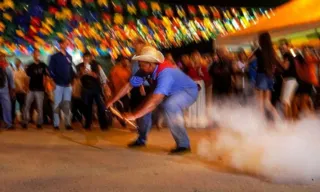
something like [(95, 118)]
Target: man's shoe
[(69, 128), (39, 126), (56, 128), (180, 150), (24, 126), (136, 144)]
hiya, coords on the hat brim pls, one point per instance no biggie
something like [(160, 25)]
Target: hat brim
[(147, 58)]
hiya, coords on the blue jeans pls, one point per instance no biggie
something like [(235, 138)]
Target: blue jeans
[(173, 108), (6, 107), (38, 96), (62, 101), (144, 125)]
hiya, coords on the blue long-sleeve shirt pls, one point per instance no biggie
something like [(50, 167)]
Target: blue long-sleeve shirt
[(135, 68), (61, 69), (9, 82), (168, 82)]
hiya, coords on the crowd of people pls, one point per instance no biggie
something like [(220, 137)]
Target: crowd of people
[(282, 78), (186, 86)]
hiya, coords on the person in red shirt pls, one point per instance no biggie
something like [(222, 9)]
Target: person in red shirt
[(196, 117), (119, 76)]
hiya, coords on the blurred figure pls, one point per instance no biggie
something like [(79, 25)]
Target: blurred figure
[(185, 63), (78, 108), (93, 81), (290, 84), (208, 60), (266, 64), (21, 84), (239, 73), (7, 91), (37, 71), (221, 74), (119, 76), (62, 72), (307, 79), (252, 67), (196, 117), (169, 57)]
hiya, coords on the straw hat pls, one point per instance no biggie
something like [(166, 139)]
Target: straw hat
[(149, 54)]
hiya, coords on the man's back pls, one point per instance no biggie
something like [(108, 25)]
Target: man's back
[(172, 80)]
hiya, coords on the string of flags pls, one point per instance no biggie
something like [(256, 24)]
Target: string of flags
[(108, 27)]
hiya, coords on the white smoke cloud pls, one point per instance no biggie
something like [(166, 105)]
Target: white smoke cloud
[(279, 152)]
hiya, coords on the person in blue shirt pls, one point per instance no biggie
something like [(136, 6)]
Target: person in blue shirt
[(7, 91), (62, 72), (174, 90)]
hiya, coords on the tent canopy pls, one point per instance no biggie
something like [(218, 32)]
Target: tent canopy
[(294, 16)]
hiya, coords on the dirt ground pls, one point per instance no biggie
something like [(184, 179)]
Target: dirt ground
[(41, 161)]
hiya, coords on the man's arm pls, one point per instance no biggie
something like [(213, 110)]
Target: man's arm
[(135, 81), (165, 81), (149, 106), (123, 91)]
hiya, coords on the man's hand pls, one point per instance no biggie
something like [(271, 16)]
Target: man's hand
[(129, 116), (107, 91), (142, 91), (109, 103)]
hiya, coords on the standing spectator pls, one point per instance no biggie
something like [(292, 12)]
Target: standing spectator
[(239, 69), (37, 72), (290, 77), (221, 74), (197, 111), (94, 82), (119, 76), (21, 84), (77, 103), (7, 90), (185, 63), (169, 57), (62, 71), (307, 78)]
